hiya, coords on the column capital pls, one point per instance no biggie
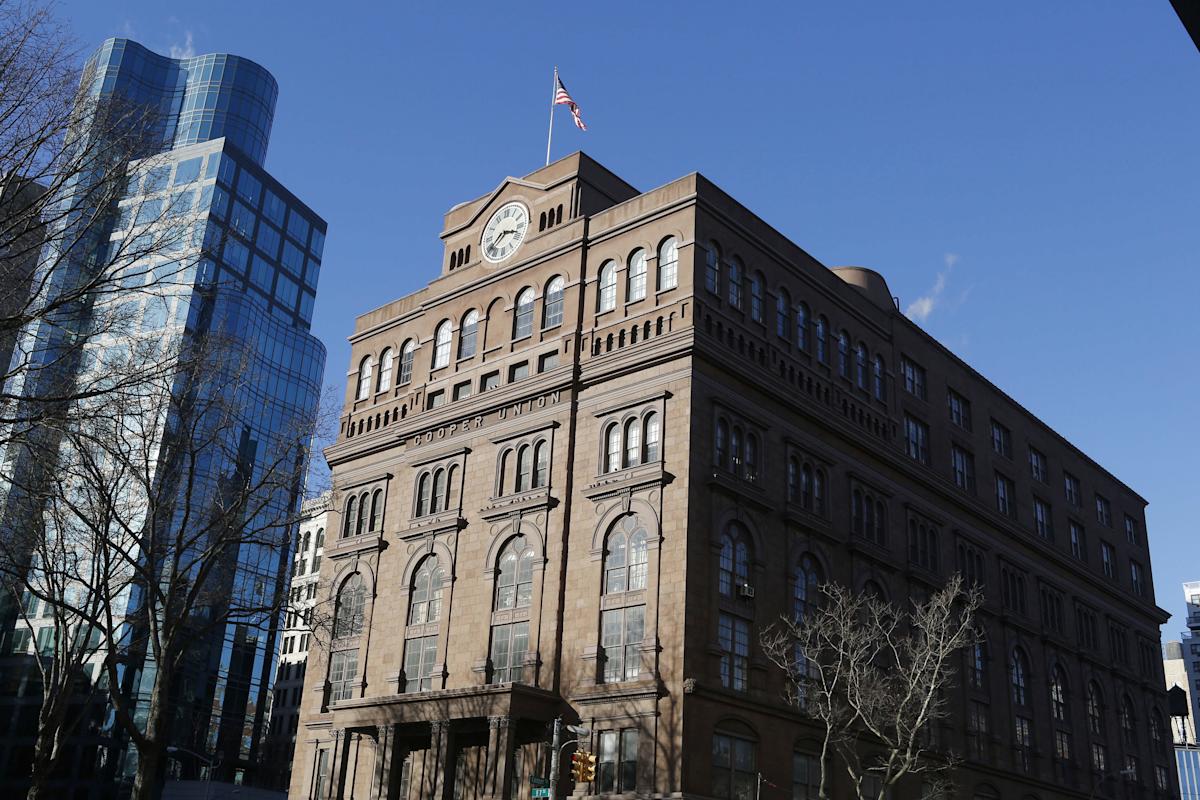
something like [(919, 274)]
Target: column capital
[(499, 721)]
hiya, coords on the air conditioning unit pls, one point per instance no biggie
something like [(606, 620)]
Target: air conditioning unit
[(746, 590)]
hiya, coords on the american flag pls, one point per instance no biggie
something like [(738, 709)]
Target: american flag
[(562, 98)]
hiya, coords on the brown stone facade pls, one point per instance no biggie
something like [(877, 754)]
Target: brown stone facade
[(580, 481)]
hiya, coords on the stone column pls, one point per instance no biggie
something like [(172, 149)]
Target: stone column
[(385, 747), (337, 770), (500, 757), (439, 736)]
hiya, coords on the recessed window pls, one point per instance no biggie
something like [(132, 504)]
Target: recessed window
[(468, 334), (462, 390), (1103, 511), (712, 268), (916, 439), (668, 264), (1005, 496), (735, 283), (489, 381), (552, 308), (406, 362), (366, 369), (802, 326), (1072, 491), (636, 277), (914, 377), (1043, 521), (822, 335), (1131, 530), (606, 296), (880, 379), (1137, 579), (962, 465), (1108, 557), (783, 314), (523, 315), (547, 361), (386, 361), (1001, 440), (756, 297), (1037, 465), (960, 409), (518, 372), (616, 762), (441, 345), (435, 399), (1078, 541)]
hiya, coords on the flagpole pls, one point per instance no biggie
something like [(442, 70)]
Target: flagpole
[(553, 94)]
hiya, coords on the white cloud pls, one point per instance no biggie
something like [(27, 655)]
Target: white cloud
[(186, 50), (920, 309)]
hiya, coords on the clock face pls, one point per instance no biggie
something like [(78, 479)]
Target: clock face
[(505, 232)]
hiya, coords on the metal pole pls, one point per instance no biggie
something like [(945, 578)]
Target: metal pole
[(553, 94), (758, 788), (554, 746)]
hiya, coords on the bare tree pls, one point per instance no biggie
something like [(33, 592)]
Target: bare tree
[(874, 677)]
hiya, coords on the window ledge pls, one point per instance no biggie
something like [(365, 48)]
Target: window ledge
[(627, 480), (500, 507), (343, 548), (433, 523)]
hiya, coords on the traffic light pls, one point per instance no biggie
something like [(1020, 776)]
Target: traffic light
[(583, 766)]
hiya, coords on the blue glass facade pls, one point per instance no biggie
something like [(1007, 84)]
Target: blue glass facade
[(200, 99), (1187, 759), (249, 267)]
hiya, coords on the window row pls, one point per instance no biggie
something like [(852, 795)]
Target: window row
[(743, 290), (632, 442), (636, 273)]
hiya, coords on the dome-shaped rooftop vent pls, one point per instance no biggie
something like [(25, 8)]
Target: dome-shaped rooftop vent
[(870, 283)]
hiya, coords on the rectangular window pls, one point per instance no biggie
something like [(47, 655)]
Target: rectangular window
[(914, 377), (248, 188), (509, 643), (286, 292), (734, 641), (806, 777), (1001, 440), (1108, 557), (19, 641), (621, 633), (977, 730), (1072, 491), (547, 361), (1012, 589), (1099, 758), (1053, 617), (1131, 530), (960, 409), (616, 763), (462, 390), (489, 382), (1023, 739), (962, 464), (1136, 579), (1103, 511), (1037, 465), (436, 399), (518, 371), (273, 208), (916, 439), (1043, 521), (1004, 496), (188, 171), (321, 776), (1085, 627), (267, 240), (297, 227), (343, 670), (419, 655), (1078, 541), (1062, 746)]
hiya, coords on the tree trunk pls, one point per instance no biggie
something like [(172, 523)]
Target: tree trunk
[(45, 748), (152, 751)]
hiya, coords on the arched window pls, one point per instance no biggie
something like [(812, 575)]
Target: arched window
[(650, 445), (425, 603), (441, 344), (822, 340), (1059, 707), (406, 361), (857, 517), (506, 471), (818, 493), (1095, 709), (1158, 733), (514, 577), (806, 487), (552, 305), (735, 283), (1128, 722), (424, 486), (541, 465), (734, 765), (320, 538), (349, 517), (625, 557), (734, 566), (880, 386), (806, 583), (793, 480), (348, 615), (524, 467), (438, 502), (712, 268), (306, 541), (668, 264), (860, 365), (425, 607), (756, 297), (385, 369), (721, 450), (365, 369), (802, 326), (844, 354), (361, 525), (468, 334), (1018, 672), (783, 316), (979, 666), (633, 443), (612, 448), (751, 469), (735, 450), (376, 510), (635, 280), (523, 316), (606, 295)]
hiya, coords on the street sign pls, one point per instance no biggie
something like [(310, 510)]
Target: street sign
[(579, 730), (542, 792), (538, 780)]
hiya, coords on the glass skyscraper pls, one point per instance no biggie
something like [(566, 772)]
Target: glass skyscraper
[(249, 266)]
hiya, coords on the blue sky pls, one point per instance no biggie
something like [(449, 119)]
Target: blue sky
[(1028, 168)]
